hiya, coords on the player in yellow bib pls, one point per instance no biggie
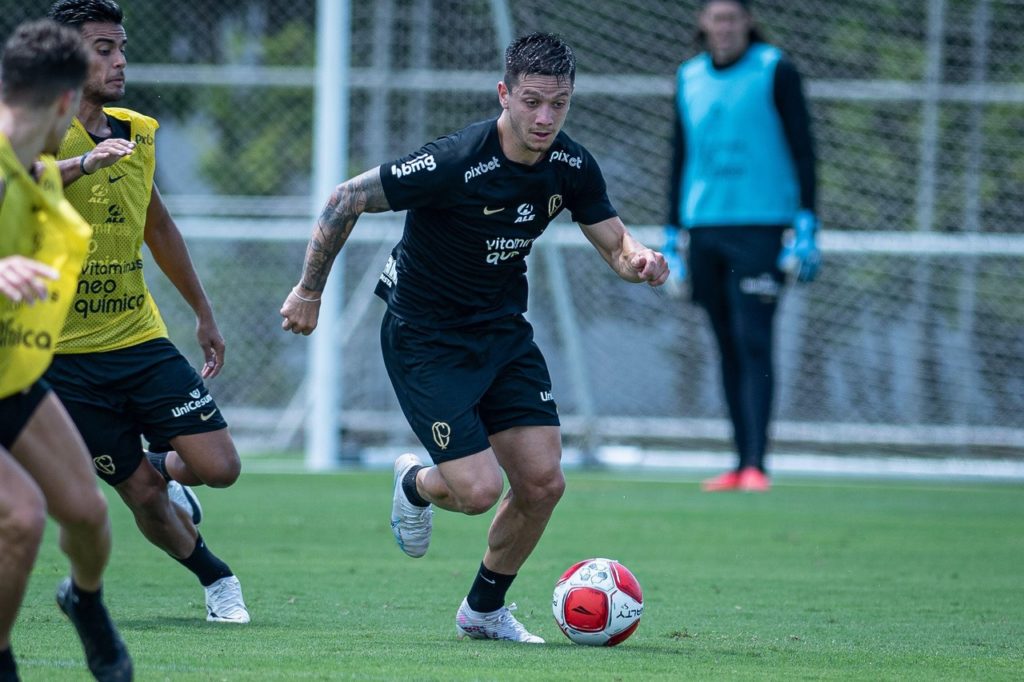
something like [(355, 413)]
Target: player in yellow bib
[(116, 371), (44, 465)]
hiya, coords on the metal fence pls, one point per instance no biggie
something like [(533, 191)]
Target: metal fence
[(910, 340)]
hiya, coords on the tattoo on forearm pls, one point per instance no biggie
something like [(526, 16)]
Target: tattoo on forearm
[(362, 194)]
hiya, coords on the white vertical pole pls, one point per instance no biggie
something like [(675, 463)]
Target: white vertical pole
[(330, 163), (928, 147), (502, 26)]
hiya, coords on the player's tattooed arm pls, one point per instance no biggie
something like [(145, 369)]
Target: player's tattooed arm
[(361, 194)]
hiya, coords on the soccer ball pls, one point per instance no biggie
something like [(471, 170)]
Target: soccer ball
[(598, 602)]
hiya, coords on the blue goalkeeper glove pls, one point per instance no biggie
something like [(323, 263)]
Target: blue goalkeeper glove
[(676, 264), (800, 256)]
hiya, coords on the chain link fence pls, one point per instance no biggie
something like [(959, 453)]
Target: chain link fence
[(911, 338)]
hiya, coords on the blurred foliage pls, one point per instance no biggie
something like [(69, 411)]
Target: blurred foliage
[(252, 134), (256, 139)]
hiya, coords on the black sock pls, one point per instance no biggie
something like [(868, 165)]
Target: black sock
[(86, 601), (488, 591), (8, 668), (207, 567), (159, 462), (409, 487)]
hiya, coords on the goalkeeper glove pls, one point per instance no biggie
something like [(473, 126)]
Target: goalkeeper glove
[(800, 256), (676, 265)]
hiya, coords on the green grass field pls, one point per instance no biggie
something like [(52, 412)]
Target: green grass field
[(821, 579)]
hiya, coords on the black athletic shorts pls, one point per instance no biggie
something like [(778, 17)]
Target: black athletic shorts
[(17, 409), (731, 260), (117, 396), (458, 386)]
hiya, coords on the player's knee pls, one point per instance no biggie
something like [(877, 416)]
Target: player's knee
[(223, 471), (90, 511), (479, 498), (542, 492), (145, 494), (554, 489), (22, 526)]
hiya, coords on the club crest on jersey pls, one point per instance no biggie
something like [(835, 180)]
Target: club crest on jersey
[(554, 205), (413, 165), (481, 168)]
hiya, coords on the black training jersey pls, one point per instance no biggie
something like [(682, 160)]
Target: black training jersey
[(472, 218)]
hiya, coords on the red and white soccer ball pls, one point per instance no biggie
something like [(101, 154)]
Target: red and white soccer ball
[(598, 602)]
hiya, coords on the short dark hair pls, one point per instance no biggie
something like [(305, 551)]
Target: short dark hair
[(755, 35), (541, 54), (41, 60), (77, 12)]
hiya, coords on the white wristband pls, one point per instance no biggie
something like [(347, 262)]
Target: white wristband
[(303, 298)]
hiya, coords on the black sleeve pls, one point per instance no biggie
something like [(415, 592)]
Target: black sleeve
[(675, 171), (796, 122), (420, 179), (589, 203)]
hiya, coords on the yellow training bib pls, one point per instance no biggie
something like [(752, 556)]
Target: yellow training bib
[(37, 222), (113, 307)]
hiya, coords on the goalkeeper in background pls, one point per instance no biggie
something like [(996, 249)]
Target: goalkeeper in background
[(743, 185)]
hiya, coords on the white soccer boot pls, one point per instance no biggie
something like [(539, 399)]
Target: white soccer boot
[(184, 497), (410, 524), (500, 624), (224, 602)]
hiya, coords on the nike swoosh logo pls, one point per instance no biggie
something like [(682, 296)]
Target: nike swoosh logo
[(489, 580), (204, 417), (492, 211), (115, 178)]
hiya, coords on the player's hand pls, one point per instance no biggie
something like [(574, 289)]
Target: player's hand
[(800, 256), (301, 310), (676, 265), (212, 344), (22, 279), (107, 153), (649, 266)]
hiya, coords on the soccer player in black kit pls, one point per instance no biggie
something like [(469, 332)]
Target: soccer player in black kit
[(461, 356)]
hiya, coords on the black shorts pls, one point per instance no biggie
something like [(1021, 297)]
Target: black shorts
[(17, 409), (739, 260), (458, 386), (117, 396)]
